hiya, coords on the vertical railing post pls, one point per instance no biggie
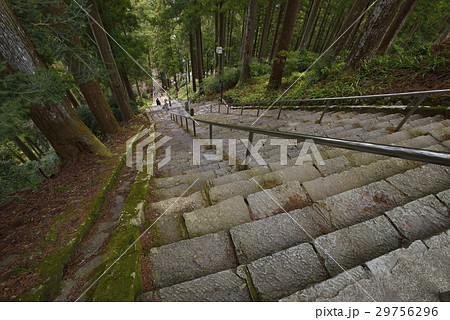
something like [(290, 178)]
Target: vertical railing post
[(324, 111), (187, 126), (193, 125), (210, 108), (259, 108), (219, 107), (247, 153), (242, 110), (210, 132), (411, 112), (279, 111)]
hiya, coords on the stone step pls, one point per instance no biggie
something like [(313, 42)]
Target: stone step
[(188, 179), (264, 237), (180, 204), (356, 177), (224, 286), (222, 216), (416, 273), (190, 259), (286, 197), (285, 272), (246, 187), (349, 247), (352, 246)]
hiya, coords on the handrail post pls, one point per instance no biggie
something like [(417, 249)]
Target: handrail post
[(247, 153), (187, 126), (279, 111), (193, 125), (219, 107), (324, 111), (210, 108), (242, 110), (259, 108), (210, 132), (411, 112)]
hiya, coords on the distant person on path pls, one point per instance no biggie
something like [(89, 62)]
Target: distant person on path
[(158, 103), (166, 105)]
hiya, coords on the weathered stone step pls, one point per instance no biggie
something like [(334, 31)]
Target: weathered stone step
[(184, 179), (180, 204), (416, 273), (286, 197), (224, 286), (264, 237), (246, 187), (222, 216), (190, 259), (285, 272), (356, 177), (349, 247)]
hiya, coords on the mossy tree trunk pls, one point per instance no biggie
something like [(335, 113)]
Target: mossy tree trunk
[(58, 122)]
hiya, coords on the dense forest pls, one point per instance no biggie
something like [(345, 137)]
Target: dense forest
[(74, 71)]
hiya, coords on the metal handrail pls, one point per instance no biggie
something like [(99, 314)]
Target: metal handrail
[(427, 156), (332, 99), (422, 96)]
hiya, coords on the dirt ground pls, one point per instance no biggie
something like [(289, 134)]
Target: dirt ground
[(35, 222)]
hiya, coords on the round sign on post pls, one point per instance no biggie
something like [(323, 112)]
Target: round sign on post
[(219, 50)]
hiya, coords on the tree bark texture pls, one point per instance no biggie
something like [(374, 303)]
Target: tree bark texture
[(58, 122)]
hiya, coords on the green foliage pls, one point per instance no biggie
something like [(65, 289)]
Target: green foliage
[(212, 84), (16, 177)]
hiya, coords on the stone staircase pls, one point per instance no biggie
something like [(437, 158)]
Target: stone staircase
[(305, 232)]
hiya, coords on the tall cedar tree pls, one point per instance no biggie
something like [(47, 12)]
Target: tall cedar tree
[(373, 32), (58, 122), (350, 25), (247, 40), (307, 34), (107, 56), (284, 44)]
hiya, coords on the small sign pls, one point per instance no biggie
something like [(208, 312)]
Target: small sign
[(219, 50)]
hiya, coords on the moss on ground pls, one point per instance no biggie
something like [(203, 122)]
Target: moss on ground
[(51, 269)]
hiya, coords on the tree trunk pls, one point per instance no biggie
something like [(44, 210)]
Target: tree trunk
[(332, 31), (138, 89), (22, 146), (93, 94), (35, 147), (396, 25), (248, 40), (73, 100), (277, 28), (15, 154), (373, 32), (127, 84), (307, 34), (347, 31), (321, 30), (216, 38), (230, 34), (193, 62), (283, 44), (198, 42), (58, 122), (107, 56), (265, 32), (95, 99)]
